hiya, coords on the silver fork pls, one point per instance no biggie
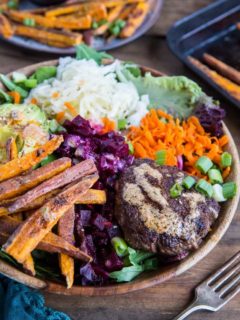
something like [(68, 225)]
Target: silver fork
[(213, 293)]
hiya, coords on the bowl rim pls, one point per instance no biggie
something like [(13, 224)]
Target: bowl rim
[(159, 276)]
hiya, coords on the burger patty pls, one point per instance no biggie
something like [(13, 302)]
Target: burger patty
[(151, 220)]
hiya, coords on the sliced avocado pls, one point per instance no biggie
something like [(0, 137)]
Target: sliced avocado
[(17, 121)]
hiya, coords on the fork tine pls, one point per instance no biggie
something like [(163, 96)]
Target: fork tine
[(226, 276), (230, 285), (210, 279), (232, 294)]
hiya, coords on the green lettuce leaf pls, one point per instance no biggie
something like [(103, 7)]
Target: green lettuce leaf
[(135, 263), (176, 95)]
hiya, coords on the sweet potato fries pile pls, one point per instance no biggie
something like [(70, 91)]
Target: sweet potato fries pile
[(66, 25), (32, 202)]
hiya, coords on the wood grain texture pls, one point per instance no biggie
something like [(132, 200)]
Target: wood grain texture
[(164, 301), (174, 10)]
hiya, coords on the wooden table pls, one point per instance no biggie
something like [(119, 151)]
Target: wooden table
[(164, 301)]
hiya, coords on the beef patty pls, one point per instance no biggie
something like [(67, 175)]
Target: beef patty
[(151, 220)]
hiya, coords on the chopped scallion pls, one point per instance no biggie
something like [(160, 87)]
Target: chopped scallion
[(122, 123), (12, 86), (215, 176), (229, 190), (30, 83), (203, 164), (18, 77), (161, 157), (205, 188), (130, 146), (218, 193), (119, 246), (226, 160), (188, 182), (176, 190), (29, 22)]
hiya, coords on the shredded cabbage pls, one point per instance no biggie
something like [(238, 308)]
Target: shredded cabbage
[(94, 91)]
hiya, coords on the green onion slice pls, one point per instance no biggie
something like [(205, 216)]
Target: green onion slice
[(215, 176), (176, 190), (205, 188), (161, 157), (131, 147), (119, 246), (188, 182), (226, 160), (229, 190), (203, 164), (122, 123), (218, 193), (18, 77), (29, 22), (30, 83)]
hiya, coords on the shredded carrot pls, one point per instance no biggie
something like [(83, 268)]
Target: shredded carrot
[(34, 101), (108, 125), (16, 96), (71, 109), (55, 95), (160, 131), (60, 116), (226, 172)]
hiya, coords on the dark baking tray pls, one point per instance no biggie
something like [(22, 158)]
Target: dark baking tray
[(212, 30)]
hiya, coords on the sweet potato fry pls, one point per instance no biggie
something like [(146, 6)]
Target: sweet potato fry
[(11, 149), (50, 243), (18, 185), (18, 166), (92, 196), (52, 22), (37, 203), (223, 68), (6, 29), (232, 88), (113, 15), (109, 3), (80, 9), (28, 266), (66, 231), (61, 39), (135, 20), (28, 235), (127, 11), (70, 175)]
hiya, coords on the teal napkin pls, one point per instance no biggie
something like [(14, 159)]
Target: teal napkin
[(18, 302)]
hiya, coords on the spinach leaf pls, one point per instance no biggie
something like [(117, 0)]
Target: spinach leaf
[(85, 52)]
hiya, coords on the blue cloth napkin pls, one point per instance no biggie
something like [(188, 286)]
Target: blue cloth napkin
[(18, 302)]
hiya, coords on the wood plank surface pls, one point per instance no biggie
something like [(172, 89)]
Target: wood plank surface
[(174, 10), (164, 301)]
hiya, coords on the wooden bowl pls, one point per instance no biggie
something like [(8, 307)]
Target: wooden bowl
[(149, 278)]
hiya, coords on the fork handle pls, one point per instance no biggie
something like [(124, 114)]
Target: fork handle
[(190, 309)]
